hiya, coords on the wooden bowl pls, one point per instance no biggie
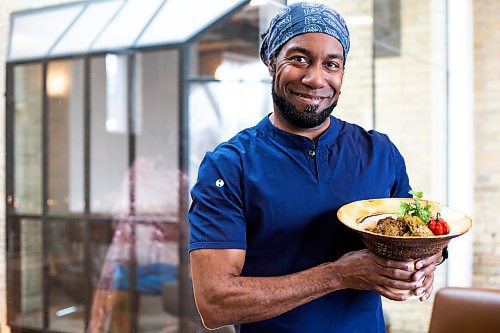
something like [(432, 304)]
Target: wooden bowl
[(359, 215)]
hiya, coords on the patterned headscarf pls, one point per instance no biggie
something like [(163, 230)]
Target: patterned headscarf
[(300, 18)]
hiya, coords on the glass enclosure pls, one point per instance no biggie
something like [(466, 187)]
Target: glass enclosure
[(102, 162), (103, 146)]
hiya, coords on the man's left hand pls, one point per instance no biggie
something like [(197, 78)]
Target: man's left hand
[(425, 269)]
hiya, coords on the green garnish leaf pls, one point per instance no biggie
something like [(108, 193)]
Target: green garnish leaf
[(415, 208), (418, 195)]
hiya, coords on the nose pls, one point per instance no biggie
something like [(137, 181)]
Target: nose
[(314, 77)]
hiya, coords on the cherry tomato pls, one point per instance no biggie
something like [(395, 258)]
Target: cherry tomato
[(438, 230), (438, 226), (432, 224)]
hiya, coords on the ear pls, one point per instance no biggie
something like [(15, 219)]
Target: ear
[(271, 66)]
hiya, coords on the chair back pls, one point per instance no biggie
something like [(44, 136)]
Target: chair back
[(466, 310)]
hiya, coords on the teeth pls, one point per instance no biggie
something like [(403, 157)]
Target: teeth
[(300, 95), (314, 98)]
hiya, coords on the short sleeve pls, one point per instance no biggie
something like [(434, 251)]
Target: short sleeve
[(216, 216), (401, 185)]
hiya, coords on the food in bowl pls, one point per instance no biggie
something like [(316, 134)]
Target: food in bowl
[(407, 226), (414, 220)]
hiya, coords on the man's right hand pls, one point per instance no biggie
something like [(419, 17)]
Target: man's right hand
[(364, 270)]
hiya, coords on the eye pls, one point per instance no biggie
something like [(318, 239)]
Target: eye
[(298, 58), (332, 65)]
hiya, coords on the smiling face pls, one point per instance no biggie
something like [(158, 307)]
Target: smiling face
[(307, 76)]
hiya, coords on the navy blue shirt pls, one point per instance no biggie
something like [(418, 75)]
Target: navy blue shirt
[(276, 195)]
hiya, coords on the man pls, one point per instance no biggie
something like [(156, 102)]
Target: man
[(267, 251)]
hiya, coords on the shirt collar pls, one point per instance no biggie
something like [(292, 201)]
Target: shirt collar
[(297, 141)]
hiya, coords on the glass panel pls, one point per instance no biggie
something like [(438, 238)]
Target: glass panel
[(228, 53), (34, 33), (147, 237), (28, 139), (157, 133), (85, 30), (65, 148), (101, 235), (108, 137), (26, 279), (66, 276), (212, 116), (387, 28), (178, 20), (127, 25), (157, 185)]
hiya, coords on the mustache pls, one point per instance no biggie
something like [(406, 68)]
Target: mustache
[(307, 118)]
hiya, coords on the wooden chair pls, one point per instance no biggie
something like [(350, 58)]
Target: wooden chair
[(466, 310)]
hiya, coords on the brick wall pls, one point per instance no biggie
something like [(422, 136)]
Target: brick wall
[(486, 271)]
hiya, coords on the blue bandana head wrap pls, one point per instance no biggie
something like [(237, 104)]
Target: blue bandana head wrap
[(300, 18)]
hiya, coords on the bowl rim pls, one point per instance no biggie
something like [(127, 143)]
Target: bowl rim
[(425, 201)]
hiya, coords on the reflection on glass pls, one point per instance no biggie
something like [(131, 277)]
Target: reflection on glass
[(229, 50), (147, 244), (212, 116), (116, 93), (157, 133), (157, 184), (151, 246), (66, 276), (108, 146), (145, 229), (65, 127), (237, 93), (28, 139), (30, 275)]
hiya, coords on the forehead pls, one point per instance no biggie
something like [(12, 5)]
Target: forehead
[(314, 42)]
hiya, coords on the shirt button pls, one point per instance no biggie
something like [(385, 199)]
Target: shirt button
[(312, 153)]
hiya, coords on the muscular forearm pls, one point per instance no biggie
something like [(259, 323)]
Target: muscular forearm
[(248, 299), (225, 297)]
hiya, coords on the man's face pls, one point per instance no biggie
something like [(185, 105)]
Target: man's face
[(307, 76)]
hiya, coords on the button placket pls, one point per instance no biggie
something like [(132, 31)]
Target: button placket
[(312, 154)]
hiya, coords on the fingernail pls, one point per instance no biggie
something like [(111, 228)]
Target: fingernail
[(419, 265)]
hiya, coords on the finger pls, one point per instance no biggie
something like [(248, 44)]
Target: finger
[(426, 295), (399, 264), (383, 291), (397, 274), (425, 291), (425, 272), (421, 263), (399, 284)]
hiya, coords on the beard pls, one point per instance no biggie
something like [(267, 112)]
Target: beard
[(307, 118)]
